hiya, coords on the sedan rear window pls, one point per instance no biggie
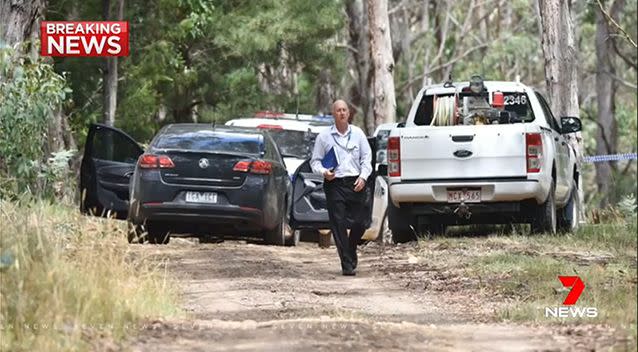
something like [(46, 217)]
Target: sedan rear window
[(294, 143), (211, 141)]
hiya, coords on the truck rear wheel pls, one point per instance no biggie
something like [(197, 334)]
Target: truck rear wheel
[(400, 223), (568, 216), (544, 220)]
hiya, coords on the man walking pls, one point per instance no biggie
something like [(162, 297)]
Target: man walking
[(345, 184)]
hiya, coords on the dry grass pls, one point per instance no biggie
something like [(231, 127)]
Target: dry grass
[(67, 279), (518, 273)]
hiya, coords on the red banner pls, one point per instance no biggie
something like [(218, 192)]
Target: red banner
[(85, 38)]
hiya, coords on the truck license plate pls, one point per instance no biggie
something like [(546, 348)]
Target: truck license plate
[(201, 197), (467, 196)]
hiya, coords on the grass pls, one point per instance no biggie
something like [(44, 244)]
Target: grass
[(67, 280), (520, 272)]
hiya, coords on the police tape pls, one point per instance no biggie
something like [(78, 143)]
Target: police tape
[(609, 157)]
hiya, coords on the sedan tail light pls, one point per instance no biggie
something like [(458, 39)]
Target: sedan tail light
[(260, 167), (151, 161), (242, 166)]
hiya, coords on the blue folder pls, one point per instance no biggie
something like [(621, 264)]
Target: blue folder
[(331, 160)]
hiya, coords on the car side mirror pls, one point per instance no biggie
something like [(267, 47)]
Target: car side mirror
[(570, 124), (382, 170)]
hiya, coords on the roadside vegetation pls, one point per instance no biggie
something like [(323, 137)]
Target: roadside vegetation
[(68, 282), (517, 274)]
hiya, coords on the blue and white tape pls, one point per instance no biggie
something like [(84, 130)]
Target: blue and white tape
[(609, 157)]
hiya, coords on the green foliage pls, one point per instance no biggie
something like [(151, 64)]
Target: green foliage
[(627, 207), (623, 177), (212, 60), (29, 91), (206, 59)]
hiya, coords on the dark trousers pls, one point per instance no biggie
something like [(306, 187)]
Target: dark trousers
[(346, 209)]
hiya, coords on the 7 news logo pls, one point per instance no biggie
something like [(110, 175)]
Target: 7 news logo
[(568, 310)]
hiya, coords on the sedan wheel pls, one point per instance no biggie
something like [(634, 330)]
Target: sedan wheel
[(157, 234), (277, 236), (292, 237)]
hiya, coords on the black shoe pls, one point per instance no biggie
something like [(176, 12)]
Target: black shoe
[(348, 272)]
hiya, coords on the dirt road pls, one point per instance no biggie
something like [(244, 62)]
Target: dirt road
[(250, 297)]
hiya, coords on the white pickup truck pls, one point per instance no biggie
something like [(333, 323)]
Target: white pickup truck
[(481, 152)]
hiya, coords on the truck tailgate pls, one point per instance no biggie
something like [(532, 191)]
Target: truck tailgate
[(463, 152)]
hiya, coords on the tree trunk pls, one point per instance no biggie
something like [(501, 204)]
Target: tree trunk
[(561, 68), (325, 92), (425, 27), (398, 27), (607, 136), (360, 61), (406, 48), (110, 72), (19, 23), (559, 50), (381, 49), (279, 78)]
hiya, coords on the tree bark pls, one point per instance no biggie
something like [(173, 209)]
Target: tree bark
[(561, 66), (607, 136), (406, 49), (110, 72), (561, 69), (425, 27), (359, 91), (381, 49), (19, 23), (559, 50), (399, 26)]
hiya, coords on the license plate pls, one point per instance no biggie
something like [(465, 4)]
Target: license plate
[(467, 196), (201, 197)]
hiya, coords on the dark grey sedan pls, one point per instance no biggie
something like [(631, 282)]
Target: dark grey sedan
[(196, 179)]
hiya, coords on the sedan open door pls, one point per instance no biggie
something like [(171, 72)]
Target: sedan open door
[(109, 160)]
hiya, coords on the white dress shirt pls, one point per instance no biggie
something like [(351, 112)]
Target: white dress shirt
[(353, 150)]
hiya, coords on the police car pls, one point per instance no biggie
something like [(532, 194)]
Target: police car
[(294, 134)]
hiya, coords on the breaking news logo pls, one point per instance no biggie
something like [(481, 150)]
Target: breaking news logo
[(577, 287), (85, 38)]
